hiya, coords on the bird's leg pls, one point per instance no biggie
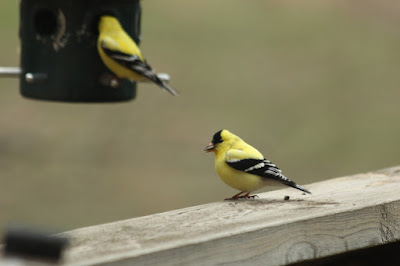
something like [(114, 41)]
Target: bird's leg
[(247, 196), (237, 196)]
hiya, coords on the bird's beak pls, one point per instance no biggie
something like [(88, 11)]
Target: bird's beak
[(209, 147)]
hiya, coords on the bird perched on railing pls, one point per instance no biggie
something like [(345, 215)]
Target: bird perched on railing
[(243, 167), (122, 56)]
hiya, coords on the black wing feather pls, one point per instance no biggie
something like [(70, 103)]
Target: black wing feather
[(134, 63), (265, 169)]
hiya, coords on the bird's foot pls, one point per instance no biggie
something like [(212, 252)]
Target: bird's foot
[(248, 197), (245, 196), (232, 198), (237, 196)]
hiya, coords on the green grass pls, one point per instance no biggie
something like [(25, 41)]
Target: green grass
[(313, 87)]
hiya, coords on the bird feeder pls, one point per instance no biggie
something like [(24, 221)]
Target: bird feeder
[(59, 58)]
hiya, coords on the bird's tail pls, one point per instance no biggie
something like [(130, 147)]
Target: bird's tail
[(164, 85), (292, 184), (302, 189)]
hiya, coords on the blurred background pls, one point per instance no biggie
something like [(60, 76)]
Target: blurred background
[(314, 85)]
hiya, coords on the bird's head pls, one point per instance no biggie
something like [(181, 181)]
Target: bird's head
[(220, 140), (109, 23)]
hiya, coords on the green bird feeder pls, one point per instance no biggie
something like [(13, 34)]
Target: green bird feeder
[(59, 58)]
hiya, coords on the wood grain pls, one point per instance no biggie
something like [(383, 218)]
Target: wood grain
[(342, 214)]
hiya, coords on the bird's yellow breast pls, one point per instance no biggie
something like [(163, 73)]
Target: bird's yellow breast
[(238, 179)]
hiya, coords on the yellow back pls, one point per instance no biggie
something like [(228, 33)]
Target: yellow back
[(111, 28), (114, 37)]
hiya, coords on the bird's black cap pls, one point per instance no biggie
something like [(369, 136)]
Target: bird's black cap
[(217, 137)]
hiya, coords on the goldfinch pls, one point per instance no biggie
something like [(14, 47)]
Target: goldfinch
[(122, 56), (243, 167)]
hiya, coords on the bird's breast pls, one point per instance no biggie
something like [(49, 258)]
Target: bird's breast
[(238, 179)]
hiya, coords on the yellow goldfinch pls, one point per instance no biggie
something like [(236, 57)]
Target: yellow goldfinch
[(122, 56), (243, 167)]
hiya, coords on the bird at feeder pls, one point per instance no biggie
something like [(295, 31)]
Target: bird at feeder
[(122, 56)]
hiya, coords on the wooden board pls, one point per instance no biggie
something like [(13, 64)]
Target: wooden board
[(342, 214)]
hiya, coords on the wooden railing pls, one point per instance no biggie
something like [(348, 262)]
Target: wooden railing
[(342, 215)]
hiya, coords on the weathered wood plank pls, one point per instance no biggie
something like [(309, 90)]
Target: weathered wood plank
[(342, 214)]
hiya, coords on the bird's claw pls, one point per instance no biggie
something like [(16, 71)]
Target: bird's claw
[(242, 197), (248, 197)]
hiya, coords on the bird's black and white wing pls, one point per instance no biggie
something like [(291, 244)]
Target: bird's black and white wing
[(129, 61), (134, 63), (263, 168)]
